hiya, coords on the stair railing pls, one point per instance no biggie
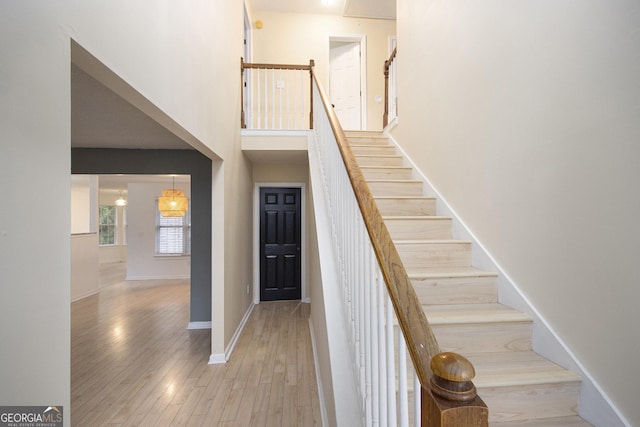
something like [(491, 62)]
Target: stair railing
[(390, 94), (273, 96), (386, 319)]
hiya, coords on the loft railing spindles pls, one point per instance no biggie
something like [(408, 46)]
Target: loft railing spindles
[(276, 104)]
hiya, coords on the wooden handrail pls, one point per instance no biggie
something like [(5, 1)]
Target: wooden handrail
[(387, 65), (276, 66), (448, 395), (262, 66), (421, 342)]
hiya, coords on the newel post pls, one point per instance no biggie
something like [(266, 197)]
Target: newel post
[(385, 117), (312, 63), (242, 86), (451, 400)]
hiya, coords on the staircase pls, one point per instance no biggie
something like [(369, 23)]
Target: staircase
[(520, 387)]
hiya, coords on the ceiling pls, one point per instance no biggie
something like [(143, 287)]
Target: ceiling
[(379, 9)]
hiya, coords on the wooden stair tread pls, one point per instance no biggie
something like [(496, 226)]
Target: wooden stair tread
[(444, 314), (574, 421), (395, 181), (427, 241), (363, 132), (363, 144), (385, 167), (378, 155), (404, 197), (510, 368), (415, 217), (449, 272)]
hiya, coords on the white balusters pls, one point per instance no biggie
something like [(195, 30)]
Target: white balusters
[(276, 98), (386, 399)]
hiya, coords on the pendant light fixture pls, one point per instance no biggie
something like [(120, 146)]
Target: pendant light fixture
[(121, 201), (173, 202)]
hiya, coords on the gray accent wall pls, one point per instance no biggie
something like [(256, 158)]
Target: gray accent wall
[(100, 161)]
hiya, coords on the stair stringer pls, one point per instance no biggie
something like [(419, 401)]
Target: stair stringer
[(594, 404)]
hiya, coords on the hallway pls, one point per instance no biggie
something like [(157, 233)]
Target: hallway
[(134, 363)]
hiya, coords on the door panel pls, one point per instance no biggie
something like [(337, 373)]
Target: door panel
[(280, 240), (344, 84)]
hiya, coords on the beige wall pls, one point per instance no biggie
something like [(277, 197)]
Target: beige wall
[(524, 115), (319, 321), (171, 53), (292, 38), (264, 172)]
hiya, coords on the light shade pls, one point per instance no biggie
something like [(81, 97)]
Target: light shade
[(172, 203), (121, 201)]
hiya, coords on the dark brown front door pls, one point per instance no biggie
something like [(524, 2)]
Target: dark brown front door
[(280, 239)]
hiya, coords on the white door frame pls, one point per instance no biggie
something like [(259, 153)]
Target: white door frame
[(256, 236), (247, 55), (362, 39)]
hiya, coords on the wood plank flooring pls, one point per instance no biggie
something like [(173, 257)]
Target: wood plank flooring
[(134, 363)]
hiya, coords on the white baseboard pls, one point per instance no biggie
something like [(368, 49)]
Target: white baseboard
[(594, 406), (178, 277), (222, 358), (85, 294), (216, 359), (323, 407), (199, 325), (236, 335)]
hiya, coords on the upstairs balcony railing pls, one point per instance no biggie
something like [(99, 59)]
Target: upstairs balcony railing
[(276, 96), (402, 376)]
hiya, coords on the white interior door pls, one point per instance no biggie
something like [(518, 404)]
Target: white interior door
[(345, 84)]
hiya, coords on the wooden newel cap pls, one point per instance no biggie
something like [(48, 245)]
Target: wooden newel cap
[(452, 375)]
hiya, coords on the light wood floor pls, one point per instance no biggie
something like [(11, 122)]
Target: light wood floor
[(134, 363)]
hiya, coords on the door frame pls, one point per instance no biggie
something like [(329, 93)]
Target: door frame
[(256, 236), (247, 56), (362, 39)]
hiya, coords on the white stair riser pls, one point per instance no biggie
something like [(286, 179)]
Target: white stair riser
[(373, 150), (369, 140), (484, 337), (467, 290), (395, 188), (420, 257), (417, 206), (380, 160), (366, 137), (387, 173), (425, 228)]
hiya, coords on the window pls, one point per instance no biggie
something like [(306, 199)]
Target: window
[(107, 224), (173, 234)]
